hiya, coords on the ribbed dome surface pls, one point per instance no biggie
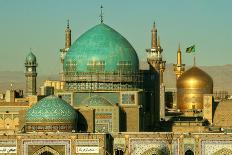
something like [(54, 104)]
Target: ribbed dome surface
[(191, 86), (51, 109), (101, 49), (223, 114)]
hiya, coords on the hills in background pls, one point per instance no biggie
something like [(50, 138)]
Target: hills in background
[(222, 76)]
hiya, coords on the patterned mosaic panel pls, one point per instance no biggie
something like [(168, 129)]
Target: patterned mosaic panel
[(139, 146), (27, 143), (103, 122), (90, 86), (110, 96), (66, 97), (8, 142), (128, 98), (87, 142), (212, 147)]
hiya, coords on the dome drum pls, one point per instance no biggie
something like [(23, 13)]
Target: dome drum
[(191, 101), (50, 127)]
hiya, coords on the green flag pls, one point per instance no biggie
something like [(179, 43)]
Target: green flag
[(190, 49)]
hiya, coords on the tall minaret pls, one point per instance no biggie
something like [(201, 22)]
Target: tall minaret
[(31, 74), (179, 68), (154, 37), (64, 51), (154, 57), (156, 63)]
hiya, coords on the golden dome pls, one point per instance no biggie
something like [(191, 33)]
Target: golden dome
[(222, 116), (191, 86)]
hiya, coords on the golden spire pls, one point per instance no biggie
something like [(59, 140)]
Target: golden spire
[(179, 57), (179, 68), (154, 37)]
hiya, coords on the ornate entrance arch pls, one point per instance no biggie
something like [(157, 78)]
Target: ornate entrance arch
[(155, 151), (46, 149), (223, 151)]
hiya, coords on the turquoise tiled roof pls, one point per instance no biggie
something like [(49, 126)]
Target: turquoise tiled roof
[(95, 101), (101, 45), (51, 109), (31, 58)]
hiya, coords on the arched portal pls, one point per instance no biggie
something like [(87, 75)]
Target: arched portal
[(189, 152), (46, 150)]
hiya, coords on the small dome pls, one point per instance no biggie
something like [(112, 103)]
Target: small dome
[(95, 101), (101, 49), (191, 86), (51, 110), (31, 58), (222, 116)]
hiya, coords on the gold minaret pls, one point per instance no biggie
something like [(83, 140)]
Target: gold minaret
[(179, 68)]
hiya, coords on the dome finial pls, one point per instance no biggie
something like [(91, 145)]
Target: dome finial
[(101, 15)]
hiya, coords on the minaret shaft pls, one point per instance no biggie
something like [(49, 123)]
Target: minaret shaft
[(154, 37), (67, 36), (179, 68)]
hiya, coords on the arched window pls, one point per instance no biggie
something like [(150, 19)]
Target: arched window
[(189, 152)]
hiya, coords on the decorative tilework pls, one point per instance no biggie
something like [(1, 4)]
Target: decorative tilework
[(209, 147), (101, 45), (87, 142), (128, 98), (51, 109), (140, 145), (45, 142)]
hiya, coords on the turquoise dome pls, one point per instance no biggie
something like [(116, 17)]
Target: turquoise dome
[(103, 49), (51, 109), (95, 101), (31, 58)]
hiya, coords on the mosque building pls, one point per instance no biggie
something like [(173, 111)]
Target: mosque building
[(105, 104)]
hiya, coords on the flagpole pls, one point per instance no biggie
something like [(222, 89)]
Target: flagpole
[(194, 60), (194, 56)]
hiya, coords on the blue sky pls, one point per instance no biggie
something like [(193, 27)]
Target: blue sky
[(40, 25)]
